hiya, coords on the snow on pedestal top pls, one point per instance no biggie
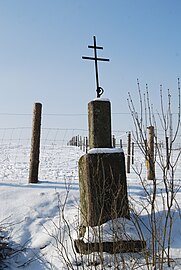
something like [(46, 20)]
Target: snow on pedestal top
[(105, 150)]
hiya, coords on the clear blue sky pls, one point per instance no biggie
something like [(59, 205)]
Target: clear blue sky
[(42, 42)]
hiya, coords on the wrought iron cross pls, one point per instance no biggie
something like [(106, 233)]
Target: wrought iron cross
[(99, 89)]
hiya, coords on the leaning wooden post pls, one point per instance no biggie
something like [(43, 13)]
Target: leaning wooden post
[(35, 144), (150, 153), (129, 152)]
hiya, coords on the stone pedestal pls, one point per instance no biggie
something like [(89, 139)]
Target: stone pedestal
[(103, 188)]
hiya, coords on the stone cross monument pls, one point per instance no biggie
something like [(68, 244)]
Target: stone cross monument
[(102, 175), (103, 188)]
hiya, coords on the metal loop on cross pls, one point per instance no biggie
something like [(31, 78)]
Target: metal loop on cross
[(99, 91)]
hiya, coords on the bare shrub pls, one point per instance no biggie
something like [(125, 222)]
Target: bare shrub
[(160, 220)]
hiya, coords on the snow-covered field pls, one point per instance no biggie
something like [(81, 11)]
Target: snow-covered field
[(31, 213)]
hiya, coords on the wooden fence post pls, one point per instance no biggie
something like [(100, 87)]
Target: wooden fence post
[(83, 144), (128, 152), (86, 144), (76, 140), (132, 153), (35, 144), (113, 141), (80, 142), (121, 143), (150, 152)]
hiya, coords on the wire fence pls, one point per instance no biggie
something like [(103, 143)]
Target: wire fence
[(58, 156), (55, 154)]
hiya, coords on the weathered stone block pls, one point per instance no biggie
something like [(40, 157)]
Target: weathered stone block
[(99, 112), (103, 188)]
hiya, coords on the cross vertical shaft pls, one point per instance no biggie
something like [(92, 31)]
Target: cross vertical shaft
[(96, 65)]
